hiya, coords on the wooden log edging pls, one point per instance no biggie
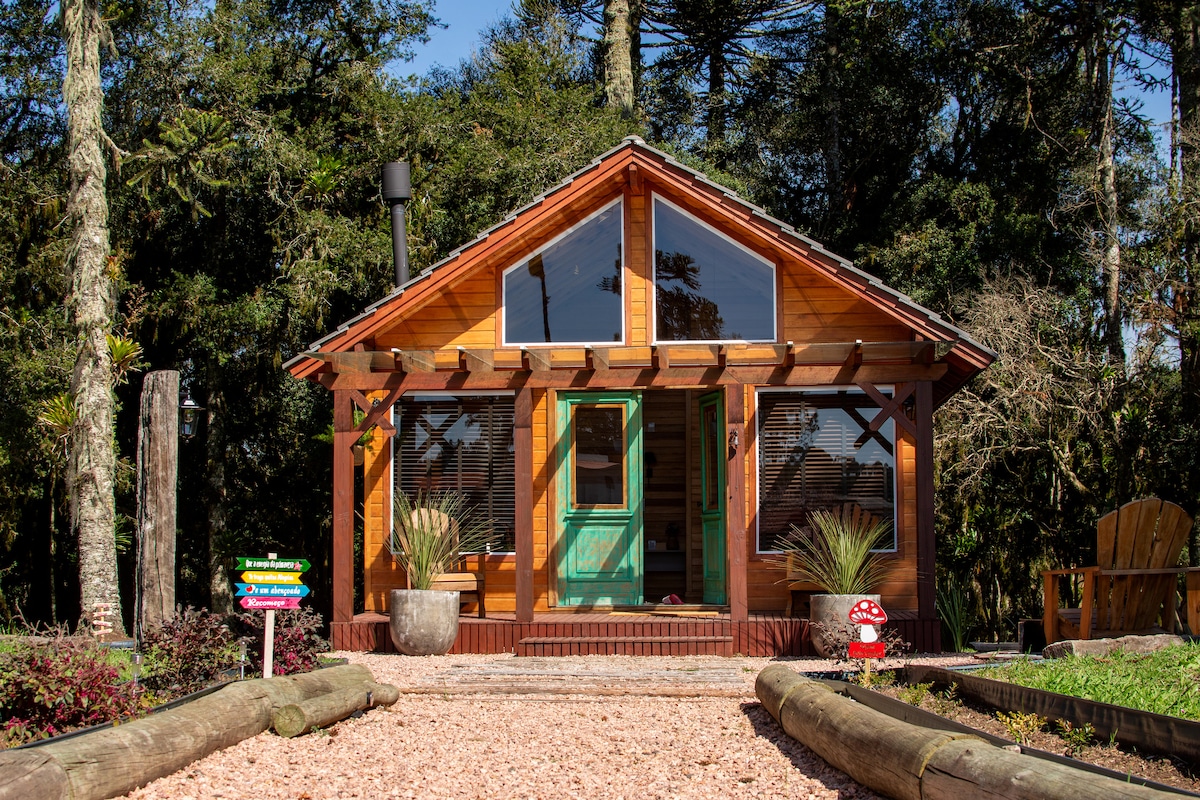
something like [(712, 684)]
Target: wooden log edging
[(110, 762), (908, 762), (1155, 733), (294, 719)]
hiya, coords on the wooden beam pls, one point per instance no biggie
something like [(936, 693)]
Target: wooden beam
[(626, 378), (892, 408), (688, 355), (926, 541), (754, 355), (735, 504), (344, 438), (478, 359), (417, 360), (524, 471), (635, 179), (362, 361), (538, 360)]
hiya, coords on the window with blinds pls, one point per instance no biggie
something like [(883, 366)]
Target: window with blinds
[(460, 444), (817, 450)]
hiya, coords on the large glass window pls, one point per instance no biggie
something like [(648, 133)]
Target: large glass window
[(708, 288), (817, 451), (570, 291), (460, 444)]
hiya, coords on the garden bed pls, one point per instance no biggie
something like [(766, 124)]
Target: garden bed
[(931, 691)]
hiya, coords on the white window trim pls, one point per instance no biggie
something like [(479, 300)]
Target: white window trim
[(761, 390), (504, 340), (652, 305)]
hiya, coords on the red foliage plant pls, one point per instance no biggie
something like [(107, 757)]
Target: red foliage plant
[(53, 684)]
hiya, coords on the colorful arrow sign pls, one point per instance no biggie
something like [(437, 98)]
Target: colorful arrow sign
[(284, 564), (271, 590), (271, 577), (269, 603)]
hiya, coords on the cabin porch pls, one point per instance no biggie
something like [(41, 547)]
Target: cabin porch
[(632, 632)]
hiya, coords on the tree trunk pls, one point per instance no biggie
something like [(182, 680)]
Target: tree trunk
[(220, 589), (618, 56), (91, 462), (1106, 174), (158, 469), (715, 121), (831, 101)]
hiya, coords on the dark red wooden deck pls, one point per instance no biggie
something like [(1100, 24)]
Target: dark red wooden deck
[(602, 633)]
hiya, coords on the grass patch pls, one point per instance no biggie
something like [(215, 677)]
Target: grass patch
[(1163, 682)]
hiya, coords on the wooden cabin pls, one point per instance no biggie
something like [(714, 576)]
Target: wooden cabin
[(644, 381)]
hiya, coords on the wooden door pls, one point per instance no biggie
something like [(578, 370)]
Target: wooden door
[(599, 469), (712, 495)]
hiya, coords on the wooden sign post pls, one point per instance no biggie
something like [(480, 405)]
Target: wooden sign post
[(271, 583)]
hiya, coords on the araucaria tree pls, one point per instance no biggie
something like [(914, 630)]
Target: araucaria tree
[(91, 462)]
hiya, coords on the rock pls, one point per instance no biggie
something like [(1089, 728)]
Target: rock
[(1101, 647)]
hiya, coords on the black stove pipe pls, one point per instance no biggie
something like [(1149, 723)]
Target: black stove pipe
[(396, 191)]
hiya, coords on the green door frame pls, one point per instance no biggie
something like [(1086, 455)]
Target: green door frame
[(712, 495), (599, 554)]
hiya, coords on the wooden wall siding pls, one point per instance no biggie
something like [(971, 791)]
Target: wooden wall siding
[(637, 263), (815, 309), (464, 314)]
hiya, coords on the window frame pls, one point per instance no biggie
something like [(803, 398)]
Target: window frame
[(887, 390), (652, 249), (393, 443), (619, 203)]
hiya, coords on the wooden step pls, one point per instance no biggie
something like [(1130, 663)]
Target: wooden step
[(625, 645)]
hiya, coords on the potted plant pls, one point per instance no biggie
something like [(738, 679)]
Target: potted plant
[(430, 533), (840, 556)]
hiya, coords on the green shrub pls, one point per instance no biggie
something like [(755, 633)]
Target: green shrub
[(51, 685), (298, 642), (191, 651)]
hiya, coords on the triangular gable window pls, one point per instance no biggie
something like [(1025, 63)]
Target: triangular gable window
[(571, 291), (708, 287)]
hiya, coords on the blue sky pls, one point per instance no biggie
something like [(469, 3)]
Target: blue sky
[(464, 19)]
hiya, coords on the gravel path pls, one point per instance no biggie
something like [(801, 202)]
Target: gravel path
[(473, 726)]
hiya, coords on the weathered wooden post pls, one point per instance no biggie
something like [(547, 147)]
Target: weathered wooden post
[(158, 468)]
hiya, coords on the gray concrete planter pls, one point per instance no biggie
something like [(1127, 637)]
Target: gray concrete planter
[(831, 611), (423, 622)]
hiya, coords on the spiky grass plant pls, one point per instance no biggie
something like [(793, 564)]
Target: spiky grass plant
[(841, 557), (431, 531)]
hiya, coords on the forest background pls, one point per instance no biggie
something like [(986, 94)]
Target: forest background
[(990, 159)]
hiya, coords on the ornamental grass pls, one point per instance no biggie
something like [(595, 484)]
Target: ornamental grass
[(432, 531)]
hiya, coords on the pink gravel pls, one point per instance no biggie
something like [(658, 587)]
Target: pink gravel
[(495, 726)]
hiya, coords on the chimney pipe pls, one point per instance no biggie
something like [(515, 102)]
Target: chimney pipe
[(396, 191)]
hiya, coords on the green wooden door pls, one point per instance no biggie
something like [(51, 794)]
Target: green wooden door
[(712, 495), (599, 460)]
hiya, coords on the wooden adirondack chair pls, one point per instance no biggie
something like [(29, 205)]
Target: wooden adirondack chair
[(1132, 589)]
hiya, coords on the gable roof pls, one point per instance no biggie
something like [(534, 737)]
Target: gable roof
[(607, 172)]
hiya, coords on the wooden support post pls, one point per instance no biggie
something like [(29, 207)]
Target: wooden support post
[(343, 506), (523, 455), (926, 542), (158, 468), (735, 506)]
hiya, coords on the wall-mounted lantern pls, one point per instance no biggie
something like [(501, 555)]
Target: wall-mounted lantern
[(189, 416)]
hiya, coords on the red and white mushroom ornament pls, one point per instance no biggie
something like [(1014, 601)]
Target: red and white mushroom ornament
[(868, 614)]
